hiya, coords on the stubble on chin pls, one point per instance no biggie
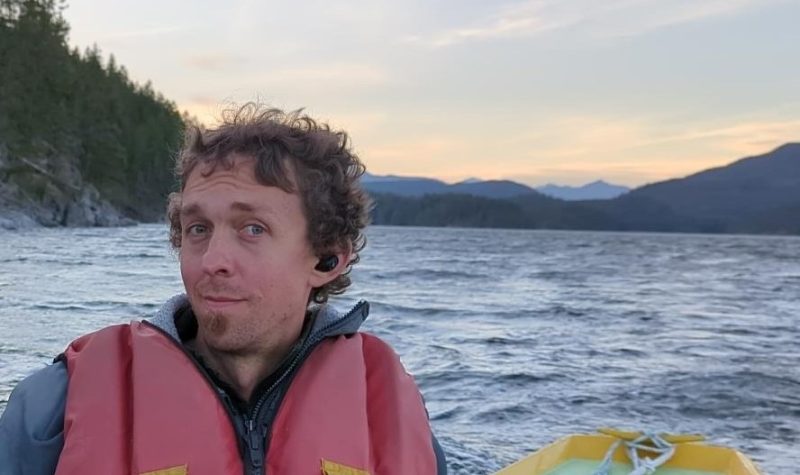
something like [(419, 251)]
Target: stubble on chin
[(216, 325), (221, 335)]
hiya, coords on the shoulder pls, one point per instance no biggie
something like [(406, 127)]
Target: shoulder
[(384, 371), (383, 357), (379, 352), (39, 399), (31, 428), (372, 349)]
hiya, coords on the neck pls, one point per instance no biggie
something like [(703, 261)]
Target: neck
[(242, 371)]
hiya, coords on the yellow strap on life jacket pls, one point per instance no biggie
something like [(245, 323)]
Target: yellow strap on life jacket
[(176, 470), (332, 468)]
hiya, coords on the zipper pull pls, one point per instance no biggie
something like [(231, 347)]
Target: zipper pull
[(254, 445)]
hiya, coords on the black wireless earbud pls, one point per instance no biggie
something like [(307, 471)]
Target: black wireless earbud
[(327, 263)]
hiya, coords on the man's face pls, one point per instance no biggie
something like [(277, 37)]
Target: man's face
[(245, 259)]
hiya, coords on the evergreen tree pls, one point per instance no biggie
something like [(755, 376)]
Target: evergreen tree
[(65, 105)]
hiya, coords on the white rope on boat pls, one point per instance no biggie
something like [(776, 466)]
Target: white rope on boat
[(647, 442)]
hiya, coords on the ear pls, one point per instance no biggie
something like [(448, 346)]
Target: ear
[(321, 277)]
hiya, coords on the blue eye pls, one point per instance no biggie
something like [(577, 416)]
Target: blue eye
[(254, 229), (196, 230)]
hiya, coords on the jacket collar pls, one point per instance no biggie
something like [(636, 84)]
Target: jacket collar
[(327, 321)]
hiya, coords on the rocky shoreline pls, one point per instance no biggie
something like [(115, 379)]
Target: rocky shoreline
[(51, 192)]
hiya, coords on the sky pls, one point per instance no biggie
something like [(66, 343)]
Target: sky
[(536, 91)]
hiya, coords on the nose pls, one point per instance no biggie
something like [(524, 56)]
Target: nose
[(218, 255)]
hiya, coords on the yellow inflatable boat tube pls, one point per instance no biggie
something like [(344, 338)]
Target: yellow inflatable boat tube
[(583, 455)]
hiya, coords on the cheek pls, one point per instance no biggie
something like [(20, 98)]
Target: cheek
[(277, 279), (190, 270)]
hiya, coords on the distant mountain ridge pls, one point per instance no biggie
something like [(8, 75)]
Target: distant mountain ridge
[(419, 186), (596, 190), (759, 194), (749, 195)]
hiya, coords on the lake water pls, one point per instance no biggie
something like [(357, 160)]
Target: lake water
[(515, 337)]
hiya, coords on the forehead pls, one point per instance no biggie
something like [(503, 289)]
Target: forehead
[(240, 168), (269, 170), (234, 186)]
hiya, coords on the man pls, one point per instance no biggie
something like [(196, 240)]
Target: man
[(249, 372)]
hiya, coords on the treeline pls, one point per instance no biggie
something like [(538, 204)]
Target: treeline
[(63, 104), (533, 211)]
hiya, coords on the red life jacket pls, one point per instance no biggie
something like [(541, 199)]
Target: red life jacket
[(136, 404)]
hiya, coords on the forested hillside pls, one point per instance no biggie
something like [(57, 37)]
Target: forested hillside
[(75, 132)]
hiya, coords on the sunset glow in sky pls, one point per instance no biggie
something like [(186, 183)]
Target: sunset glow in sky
[(565, 91)]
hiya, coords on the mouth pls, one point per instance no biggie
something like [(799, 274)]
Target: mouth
[(220, 301)]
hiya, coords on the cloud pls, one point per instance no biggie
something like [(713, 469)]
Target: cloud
[(214, 61), (318, 85), (637, 17), (314, 78), (585, 18), (743, 138), (145, 33), (203, 108), (524, 19), (432, 155), (503, 27), (358, 124), (575, 136), (422, 149), (581, 148)]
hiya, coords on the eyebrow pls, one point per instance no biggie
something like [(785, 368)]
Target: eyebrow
[(195, 209), (191, 210)]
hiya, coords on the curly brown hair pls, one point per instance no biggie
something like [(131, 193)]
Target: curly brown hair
[(326, 173)]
